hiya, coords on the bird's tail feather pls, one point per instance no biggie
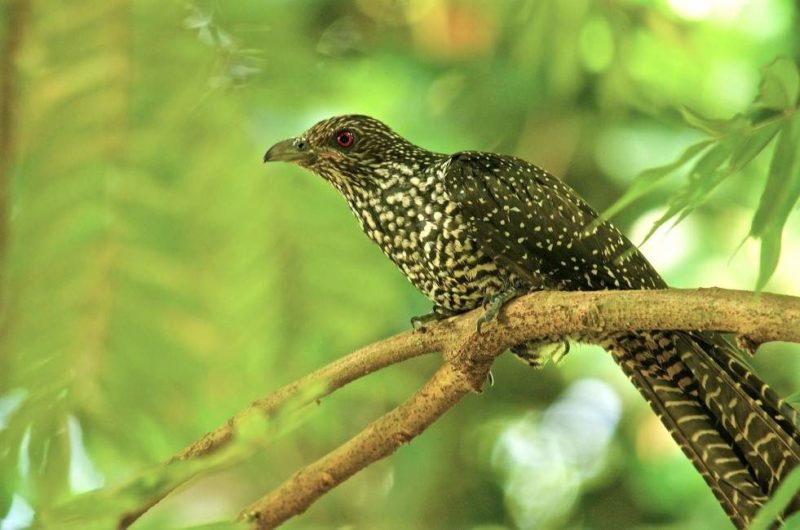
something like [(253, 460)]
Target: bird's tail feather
[(739, 435)]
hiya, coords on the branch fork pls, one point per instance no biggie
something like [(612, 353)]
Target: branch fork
[(467, 359)]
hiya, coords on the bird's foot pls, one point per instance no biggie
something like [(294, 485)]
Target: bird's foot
[(528, 353), (492, 304), (537, 354), (419, 322), (438, 313)]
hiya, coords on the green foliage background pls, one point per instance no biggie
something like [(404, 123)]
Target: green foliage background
[(158, 278)]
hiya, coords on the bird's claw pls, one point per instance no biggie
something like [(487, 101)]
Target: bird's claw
[(537, 354), (418, 323), (487, 316), (487, 298), (492, 305), (562, 352)]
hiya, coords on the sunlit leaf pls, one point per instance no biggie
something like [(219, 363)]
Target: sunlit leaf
[(770, 255), (781, 193), (705, 175), (779, 183), (711, 161), (253, 432), (780, 84), (793, 399), (645, 181), (792, 522), (673, 210), (752, 145), (714, 127), (197, 19)]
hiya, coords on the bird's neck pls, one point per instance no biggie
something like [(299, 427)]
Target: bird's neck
[(397, 190)]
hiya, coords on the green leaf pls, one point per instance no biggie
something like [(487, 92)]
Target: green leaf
[(703, 178), (253, 432), (712, 126), (780, 84), (793, 399), (782, 181), (767, 516), (770, 255), (219, 525), (781, 193), (711, 161), (792, 522), (648, 178), (752, 145)]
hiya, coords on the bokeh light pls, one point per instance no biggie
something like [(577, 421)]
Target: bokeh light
[(543, 462)]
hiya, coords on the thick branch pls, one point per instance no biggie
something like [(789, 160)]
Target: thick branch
[(760, 318), (763, 318)]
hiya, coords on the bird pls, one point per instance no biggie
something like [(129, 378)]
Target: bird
[(477, 229)]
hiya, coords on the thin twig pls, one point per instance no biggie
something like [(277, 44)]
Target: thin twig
[(353, 366), (378, 440), (314, 386)]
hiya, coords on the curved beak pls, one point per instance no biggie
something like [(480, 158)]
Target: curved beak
[(291, 150)]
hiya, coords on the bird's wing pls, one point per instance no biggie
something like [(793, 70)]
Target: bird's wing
[(738, 433), (532, 222)]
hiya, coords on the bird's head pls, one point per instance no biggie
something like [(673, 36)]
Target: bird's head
[(351, 151)]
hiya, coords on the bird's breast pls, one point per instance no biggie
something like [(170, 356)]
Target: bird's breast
[(421, 230)]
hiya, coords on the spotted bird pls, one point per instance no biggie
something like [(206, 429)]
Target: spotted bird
[(475, 228)]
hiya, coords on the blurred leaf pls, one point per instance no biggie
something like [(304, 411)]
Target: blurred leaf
[(253, 432), (157, 281), (197, 18), (781, 193), (713, 127), (793, 399), (792, 522), (739, 143), (783, 182), (220, 525), (766, 517), (60, 257), (780, 84), (752, 145), (645, 181), (703, 178), (711, 161), (770, 255)]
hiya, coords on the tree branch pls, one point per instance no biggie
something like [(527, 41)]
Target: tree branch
[(468, 357), (353, 366), (378, 440)]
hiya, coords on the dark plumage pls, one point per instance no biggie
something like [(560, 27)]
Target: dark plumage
[(471, 227)]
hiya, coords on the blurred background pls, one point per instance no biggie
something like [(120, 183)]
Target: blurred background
[(158, 278)]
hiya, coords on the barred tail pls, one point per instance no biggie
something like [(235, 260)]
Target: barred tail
[(741, 437)]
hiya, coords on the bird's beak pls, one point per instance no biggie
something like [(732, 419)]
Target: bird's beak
[(291, 150)]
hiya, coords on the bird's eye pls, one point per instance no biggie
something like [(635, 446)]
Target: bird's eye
[(345, 138)]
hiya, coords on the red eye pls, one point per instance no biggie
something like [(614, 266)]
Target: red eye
[(345, 138)]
